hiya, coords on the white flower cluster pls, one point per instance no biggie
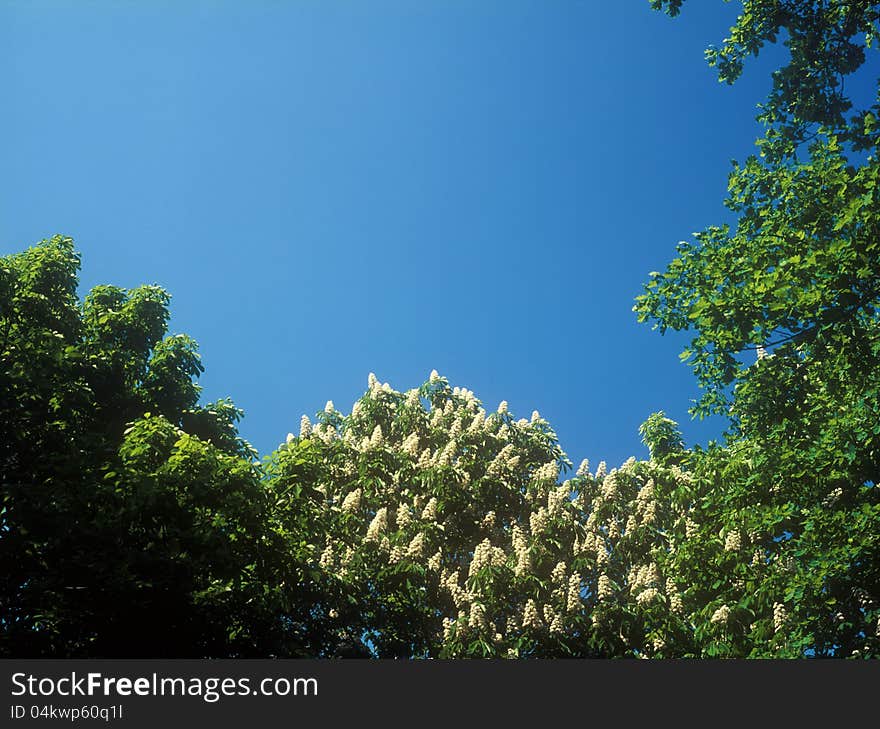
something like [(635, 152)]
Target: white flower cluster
[(647, 596), (521, 550), (485, 555), (779, 616), (435, 561), (531, 619), (305, 427), (352, 502), (447, 456), (614, 530), (504, 460), (721, 615), (556, 499), (609, 486), (416, 546), (411, 445), (477, 617), (488, 521), (426, 460), (402, 517), (584, 468), (645, 495), (429, 513), (436, 421), (675, 603), (733, 541), (547, 472), (459, 595), (327, 555), (539, 521), (448, 627), (642, 576), (326, 433), (573, 594), (603, 587), (377, 525), (559, 573), (397, 554), (553, 619), (478, 422)]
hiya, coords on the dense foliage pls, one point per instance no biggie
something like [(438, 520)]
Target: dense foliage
[(786, 326), (132, 520), (136, 522)]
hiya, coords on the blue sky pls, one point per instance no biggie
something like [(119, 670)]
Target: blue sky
[(329, 189)]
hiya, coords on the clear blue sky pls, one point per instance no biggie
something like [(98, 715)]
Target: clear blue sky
[(333, 188)]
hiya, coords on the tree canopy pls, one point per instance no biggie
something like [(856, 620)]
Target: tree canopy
[(135, 521)]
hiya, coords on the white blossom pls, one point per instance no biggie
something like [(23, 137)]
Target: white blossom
[(553, 619), (429, 513), (448, 627), (732, 542), (377, 525), (326, 560), (397, 554), (650, 514), (477, 617), (539, 520), (477, 423), (603, 587), (425, 459), (559, 572), (377, 439), (352, 501), (435, 560), (573, 595), (584, 468), (448, 454), (647, 596), (779, 616), (305, 427), (485, 555), (402, 517), (411, 444), (531, 618), (556, 498), (721, 615), (549, 472)]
